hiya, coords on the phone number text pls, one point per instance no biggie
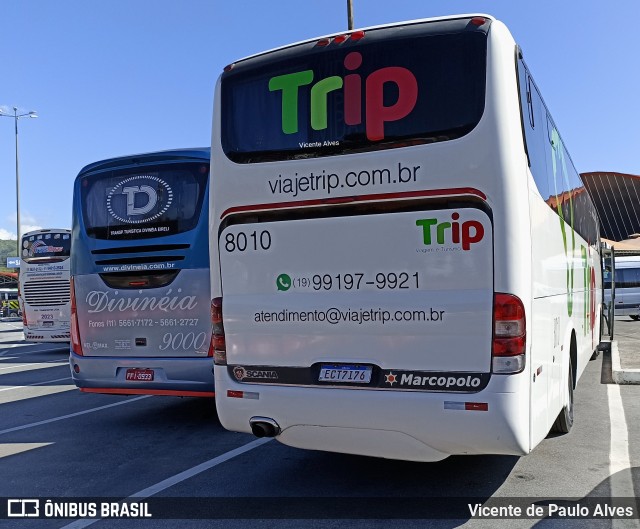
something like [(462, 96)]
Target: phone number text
[(358, 281), (165, 322)]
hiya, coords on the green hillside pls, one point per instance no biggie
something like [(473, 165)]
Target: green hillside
[(7, 249)]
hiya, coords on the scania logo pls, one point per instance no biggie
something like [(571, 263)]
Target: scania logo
[(242, 373), (139, 199), (239, 372)]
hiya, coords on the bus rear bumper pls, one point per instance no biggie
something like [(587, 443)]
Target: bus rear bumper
[(46, 336), (412, 426), (171, 376)]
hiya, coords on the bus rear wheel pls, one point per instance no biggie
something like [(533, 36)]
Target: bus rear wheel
[(635, 317), (564, 422)]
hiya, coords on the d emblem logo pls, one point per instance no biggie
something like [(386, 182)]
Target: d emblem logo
[(139, 199), (152, 198)]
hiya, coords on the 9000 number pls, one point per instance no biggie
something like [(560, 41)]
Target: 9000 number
[(180, 341), (242, 241)]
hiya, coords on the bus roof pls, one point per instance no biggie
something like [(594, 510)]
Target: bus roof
[(45, 230), (368, 28), (203, 153)]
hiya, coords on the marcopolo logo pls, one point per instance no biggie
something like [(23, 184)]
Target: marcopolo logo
[(463, 233), (139, 199), (376, 112), (436, 381)]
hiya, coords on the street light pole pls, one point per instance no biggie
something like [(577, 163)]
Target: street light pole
[(16, 117), (350, 14)]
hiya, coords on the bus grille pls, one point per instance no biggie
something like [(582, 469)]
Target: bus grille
[(46, 293)]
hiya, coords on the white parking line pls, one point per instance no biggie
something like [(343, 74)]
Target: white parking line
[(21, 368), (620, 478), (24, 392), (32, 351), (11, 449), (35, 384), (182, 476), (71, 415)]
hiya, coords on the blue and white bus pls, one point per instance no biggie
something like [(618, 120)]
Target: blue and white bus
[(406, 262), (140, 275)]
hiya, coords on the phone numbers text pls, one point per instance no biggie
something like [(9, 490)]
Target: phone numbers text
[(359, 281), (165, 322)]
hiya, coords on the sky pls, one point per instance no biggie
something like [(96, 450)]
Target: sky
[(117, 77)]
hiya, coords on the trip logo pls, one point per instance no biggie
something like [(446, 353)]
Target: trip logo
[(376, 112), (139, 199), (455, 233)]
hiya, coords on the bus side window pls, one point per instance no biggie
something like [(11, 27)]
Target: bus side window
[(532, 119), (531, 108)]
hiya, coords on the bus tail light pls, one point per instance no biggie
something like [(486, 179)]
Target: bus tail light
[(509, 334), (478, 21), (21, 307), (76, 344), (339, 39), (217, 348)]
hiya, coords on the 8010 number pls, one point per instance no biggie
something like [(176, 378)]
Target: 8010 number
[(253, 241)]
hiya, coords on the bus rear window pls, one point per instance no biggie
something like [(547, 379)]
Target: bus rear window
[(143, 202), (46, 247), (398, 86)]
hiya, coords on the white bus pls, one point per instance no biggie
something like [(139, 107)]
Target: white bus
[(405, 263), (44, 285)]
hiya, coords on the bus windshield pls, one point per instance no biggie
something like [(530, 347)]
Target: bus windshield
[(422, 83), (134, 203)]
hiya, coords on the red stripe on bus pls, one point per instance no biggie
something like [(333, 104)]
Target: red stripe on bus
[(363, 198), (133, 391)]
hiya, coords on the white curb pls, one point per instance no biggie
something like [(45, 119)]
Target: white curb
[(619, 375)]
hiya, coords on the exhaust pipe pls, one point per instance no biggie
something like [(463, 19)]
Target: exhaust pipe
[(264, 427)]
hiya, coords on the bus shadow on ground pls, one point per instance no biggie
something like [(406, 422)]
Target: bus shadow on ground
[(599, 507), (328, 486), (176, 413)]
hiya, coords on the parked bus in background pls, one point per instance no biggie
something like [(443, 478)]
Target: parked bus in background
[(9, 305), (140, 275), (406, 263), (44, 285)]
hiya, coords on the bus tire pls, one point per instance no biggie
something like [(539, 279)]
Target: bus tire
[(634, 317), (564, 422)]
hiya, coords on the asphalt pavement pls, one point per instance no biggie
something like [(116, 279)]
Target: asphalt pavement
[(57, 443), (625, 351)]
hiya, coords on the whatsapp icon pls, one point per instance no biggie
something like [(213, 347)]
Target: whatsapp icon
[(283, 282)]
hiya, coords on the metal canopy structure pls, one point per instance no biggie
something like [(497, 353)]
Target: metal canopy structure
[(8, 280), (617, 198)]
